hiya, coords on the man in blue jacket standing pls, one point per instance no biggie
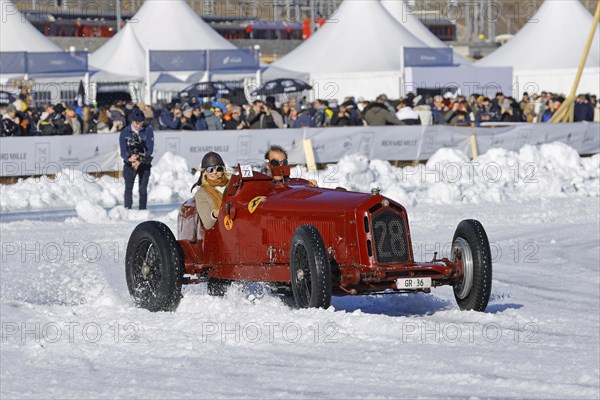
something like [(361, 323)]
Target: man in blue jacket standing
[(137, 146)]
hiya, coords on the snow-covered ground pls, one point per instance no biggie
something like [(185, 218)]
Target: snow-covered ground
[(69, 328)]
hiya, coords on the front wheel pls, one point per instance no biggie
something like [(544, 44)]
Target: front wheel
[(309, 268), (154, 267), (471, 247)]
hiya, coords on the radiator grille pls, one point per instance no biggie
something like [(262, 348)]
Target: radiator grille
[(389, 238), (282, 231)]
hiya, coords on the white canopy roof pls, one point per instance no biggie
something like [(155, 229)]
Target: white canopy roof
[(360, 37), (158, 25), (122, 55), (553, 39), (401, 12), (18, 34), (173, 25)]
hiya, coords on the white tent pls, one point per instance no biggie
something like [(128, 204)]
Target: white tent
[(121, 58), (546, 52), (356, 52), (403, 15), (158, 25), (173, 25), (18, 35)]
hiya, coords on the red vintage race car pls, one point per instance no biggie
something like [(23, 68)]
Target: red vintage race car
[(306, 242)]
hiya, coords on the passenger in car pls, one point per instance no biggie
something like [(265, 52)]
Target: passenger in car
[(212, 182), (277, 156)]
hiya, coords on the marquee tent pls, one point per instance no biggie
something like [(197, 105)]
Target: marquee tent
[(124, 58), (546, 52), (358, 53), (403, 15), (17, 34), (158, 25)]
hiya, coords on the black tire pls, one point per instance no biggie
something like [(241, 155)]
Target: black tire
[(470, 243), (218, 287), (309, 268), (154, 267)]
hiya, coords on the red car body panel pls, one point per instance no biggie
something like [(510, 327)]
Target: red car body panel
[(366, 235)]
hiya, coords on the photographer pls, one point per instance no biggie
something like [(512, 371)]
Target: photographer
[(137, 145)]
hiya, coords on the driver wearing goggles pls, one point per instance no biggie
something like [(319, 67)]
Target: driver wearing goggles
[(212, 183), (277, 156)]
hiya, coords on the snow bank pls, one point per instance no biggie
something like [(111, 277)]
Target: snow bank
[(549, 170), (170, 182)]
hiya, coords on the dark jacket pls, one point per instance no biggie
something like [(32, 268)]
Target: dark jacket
[(231, 124), (8, 127), (130, 146), (188, 125), (200, 123), (256, 120), (303, 120), (167, 121), (344, 120), (377, 114), (56, 125), (583, 112)]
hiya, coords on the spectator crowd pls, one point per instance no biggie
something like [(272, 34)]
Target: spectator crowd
[(19, 119)]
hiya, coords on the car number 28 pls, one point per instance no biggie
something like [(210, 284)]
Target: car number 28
[(413, 283)]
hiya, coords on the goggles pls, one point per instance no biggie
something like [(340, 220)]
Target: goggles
[(277, 163), (218, 168)]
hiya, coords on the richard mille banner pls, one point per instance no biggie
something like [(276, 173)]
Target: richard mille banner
[(50, 155)]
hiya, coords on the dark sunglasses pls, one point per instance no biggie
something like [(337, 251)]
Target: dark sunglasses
[(277, 163), (218, 168)]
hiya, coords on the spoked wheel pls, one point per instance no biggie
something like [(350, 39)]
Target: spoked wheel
[(154, 267), (471, 247), (309, 268)]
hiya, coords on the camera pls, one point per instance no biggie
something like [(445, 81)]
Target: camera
[(135, 146)]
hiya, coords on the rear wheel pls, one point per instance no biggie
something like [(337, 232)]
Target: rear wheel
[(310, 269), (471, 246), (154, 267)]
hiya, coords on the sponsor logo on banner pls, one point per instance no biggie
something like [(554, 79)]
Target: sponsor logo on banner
[(589, 136), (347, 145), (232, 60), (68, 158), (243, 148), (497, 140), (524, 137), (206, 149), (172, 145), (13, 156), (177, 61), (366, 144), (42, 152), (400, 143)]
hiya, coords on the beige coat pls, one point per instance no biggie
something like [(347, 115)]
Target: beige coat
[(205, 206)]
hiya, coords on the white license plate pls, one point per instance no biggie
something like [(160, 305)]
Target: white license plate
[(413, 283)]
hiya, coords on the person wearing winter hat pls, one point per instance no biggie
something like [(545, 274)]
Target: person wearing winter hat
[(212, 182), (137, 146)]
